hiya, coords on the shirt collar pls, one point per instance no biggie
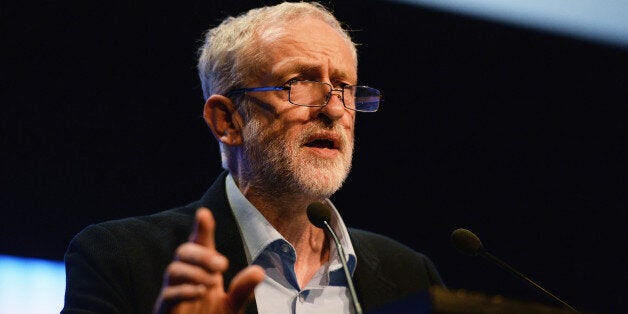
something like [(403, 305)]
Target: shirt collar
[(258, 233)]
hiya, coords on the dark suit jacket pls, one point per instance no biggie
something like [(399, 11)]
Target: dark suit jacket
[(118, 266)]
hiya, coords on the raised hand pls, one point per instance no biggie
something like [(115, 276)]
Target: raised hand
[(193, 282)]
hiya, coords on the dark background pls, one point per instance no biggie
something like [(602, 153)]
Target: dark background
[(518, 135)]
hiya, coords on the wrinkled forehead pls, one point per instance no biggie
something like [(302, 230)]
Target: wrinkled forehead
[(274, 31), (307, 43)]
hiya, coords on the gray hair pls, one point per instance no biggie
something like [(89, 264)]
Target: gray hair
[(229, 55)]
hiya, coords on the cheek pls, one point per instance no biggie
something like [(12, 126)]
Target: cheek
[(282, 132), (348, 123)]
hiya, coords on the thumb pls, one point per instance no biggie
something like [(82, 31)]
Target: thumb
[(204, 228), (242, 287)]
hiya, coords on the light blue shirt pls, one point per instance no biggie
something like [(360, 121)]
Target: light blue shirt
[(280, 293)]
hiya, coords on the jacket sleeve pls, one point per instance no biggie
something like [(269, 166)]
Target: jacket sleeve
[(97, 274)]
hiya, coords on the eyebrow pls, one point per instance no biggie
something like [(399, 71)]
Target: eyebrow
[(312, 69)]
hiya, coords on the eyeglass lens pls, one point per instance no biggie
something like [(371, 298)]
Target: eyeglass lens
[(312, 93)]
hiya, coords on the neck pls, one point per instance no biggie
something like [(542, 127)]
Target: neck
[(288, 215)]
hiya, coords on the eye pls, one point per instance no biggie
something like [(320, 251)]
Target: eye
[(293, 80), (341, 85)]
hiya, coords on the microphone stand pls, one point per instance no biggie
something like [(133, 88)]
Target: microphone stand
[(343, 259), (507, 267)]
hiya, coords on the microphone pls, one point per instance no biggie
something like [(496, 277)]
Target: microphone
[(468, 243), (320, 215)]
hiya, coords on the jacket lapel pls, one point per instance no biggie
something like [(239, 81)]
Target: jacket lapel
[(372, 288), (228, 239)]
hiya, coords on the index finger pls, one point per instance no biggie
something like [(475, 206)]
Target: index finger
[(204, 228)]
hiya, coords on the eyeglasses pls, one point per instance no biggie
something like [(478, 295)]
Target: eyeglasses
[(317, 94)]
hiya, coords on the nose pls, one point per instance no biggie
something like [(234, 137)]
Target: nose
[(335, 107), (336, 92)]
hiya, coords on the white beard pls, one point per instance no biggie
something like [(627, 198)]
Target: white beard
[(282, 167)]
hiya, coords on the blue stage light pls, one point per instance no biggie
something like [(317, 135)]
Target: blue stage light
[(29, 285)]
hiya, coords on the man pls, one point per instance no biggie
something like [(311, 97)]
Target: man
[(280, 84)]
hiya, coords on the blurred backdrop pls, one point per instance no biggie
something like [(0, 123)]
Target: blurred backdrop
[(514, 132)]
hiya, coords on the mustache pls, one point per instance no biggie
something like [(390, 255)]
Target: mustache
[(333, 129)]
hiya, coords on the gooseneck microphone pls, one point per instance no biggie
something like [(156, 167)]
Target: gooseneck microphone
[(320, 215), (468, 243)]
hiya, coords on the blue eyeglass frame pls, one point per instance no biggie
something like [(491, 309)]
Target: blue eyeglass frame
[(257, 89), (279, 88)]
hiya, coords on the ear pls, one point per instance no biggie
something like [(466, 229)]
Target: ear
[(223, 119)]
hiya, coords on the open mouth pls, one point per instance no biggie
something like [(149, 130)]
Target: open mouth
[(321, 143), (326, 140)]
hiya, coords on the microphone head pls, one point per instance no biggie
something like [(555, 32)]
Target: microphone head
[(318, 213), (466, 241)]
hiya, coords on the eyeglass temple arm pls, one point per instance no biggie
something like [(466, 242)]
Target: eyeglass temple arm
[(258, 89)]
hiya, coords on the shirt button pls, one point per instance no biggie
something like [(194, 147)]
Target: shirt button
[(285, 248), (301, 297)]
